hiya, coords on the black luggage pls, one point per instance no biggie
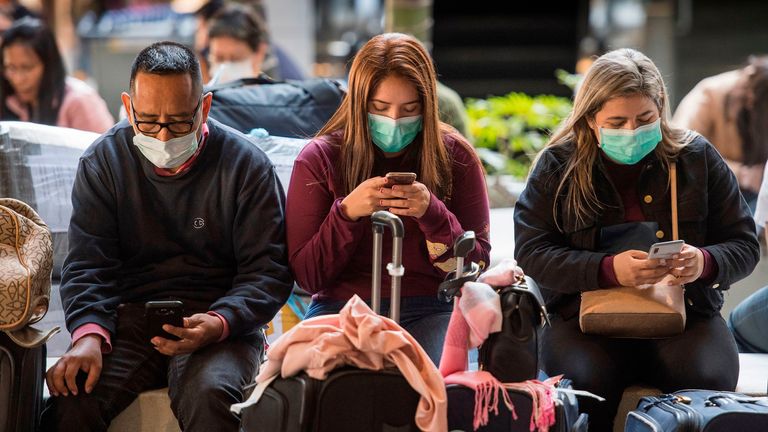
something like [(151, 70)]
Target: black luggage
[(21, 386), (699, 411), (350, 399), (461, 404), (295, 109)]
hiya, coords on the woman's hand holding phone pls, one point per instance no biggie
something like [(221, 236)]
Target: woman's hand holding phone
[(686, 266), (408, 200), (633, 268), (366, 198)]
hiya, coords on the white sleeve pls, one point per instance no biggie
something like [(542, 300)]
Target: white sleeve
[(761, 210)]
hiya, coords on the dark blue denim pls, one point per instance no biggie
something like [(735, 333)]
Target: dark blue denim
[(425, 318), (749, 323)]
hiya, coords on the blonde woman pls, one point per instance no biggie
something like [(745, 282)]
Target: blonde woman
[(388, 122), (596, 199)]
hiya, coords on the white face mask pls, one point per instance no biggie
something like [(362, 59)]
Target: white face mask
[(167, 154), (231, 71)]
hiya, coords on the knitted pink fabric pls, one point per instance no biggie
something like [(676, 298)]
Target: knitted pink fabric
[(487, 390), (476, 314)]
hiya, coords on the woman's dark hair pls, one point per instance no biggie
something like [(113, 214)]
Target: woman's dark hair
[(749, 102), (32, 33), (239, 22)]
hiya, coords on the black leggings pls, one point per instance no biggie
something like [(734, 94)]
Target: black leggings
[(704, 356)]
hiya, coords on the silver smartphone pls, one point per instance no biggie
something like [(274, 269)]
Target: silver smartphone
[(665, 250)]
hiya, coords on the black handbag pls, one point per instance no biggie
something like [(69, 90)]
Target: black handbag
[(512, 355)]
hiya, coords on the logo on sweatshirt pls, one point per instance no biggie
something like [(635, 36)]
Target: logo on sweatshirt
[(198, 223)]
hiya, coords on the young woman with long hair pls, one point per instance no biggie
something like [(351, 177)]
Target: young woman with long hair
[(387, 122), (597, 198)]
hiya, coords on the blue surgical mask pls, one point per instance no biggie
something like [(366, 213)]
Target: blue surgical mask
[(392, 135), (167, 154), (629, 147)]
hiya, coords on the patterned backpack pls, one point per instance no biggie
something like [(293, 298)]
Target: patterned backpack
[(26, 258)]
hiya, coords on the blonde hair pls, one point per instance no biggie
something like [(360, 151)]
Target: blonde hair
[(619, 73), (383, 56)]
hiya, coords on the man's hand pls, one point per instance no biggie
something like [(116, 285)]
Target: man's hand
[(199, 330), (632, 268), (84, 355)]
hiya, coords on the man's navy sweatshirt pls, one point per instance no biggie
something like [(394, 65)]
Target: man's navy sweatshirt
[(214, 234)]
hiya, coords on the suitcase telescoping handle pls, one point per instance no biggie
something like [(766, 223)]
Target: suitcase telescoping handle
[(380, 220), (461, 248)]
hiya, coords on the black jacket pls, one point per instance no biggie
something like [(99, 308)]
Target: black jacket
[(711, 212), (214, 235)]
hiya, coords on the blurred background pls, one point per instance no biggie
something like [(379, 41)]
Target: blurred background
[(498, 56)]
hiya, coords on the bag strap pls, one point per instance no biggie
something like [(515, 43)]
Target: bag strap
[(673, 181)]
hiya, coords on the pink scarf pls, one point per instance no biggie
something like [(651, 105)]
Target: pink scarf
[(487, 389)]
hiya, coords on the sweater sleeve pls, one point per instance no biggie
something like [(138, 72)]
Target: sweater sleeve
[(88, 284), (85, 111), (470, 211), (263, 280), (321, 240)]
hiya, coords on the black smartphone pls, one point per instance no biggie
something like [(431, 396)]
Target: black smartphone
[(157, 313), (400, 178)]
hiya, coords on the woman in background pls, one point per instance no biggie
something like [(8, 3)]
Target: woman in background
[(34, 85)]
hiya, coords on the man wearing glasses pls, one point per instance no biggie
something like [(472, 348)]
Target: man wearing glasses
[(168, 205)]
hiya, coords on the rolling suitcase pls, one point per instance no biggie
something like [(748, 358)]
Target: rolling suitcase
[(350, 399), (22, 371), (699, 411)]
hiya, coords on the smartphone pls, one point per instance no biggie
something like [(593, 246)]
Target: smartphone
[(157, 313), (400, 178), (665, 250)]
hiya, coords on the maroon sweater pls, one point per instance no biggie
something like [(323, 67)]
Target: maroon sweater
[(331, 256)]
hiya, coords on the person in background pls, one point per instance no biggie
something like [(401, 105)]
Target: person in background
[(731, 111), (168, 205), (387, 122), (237, 44), (277, 64), (452, 110), (749, 319), (597, 198), (34, 85)]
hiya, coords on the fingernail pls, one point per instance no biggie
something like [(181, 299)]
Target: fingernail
[(394, 188)]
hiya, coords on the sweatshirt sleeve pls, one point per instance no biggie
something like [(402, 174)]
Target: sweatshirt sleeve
[(321, 240), (469, 211), (88, 288), (263, 280)]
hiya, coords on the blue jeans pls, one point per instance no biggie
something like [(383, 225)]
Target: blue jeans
[(749, 323), (425, 318), (201, 385)]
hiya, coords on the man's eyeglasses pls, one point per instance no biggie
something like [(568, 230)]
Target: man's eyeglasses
[(182, 127)]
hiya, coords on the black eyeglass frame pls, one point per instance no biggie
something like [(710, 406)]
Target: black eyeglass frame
[(167, 125)]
